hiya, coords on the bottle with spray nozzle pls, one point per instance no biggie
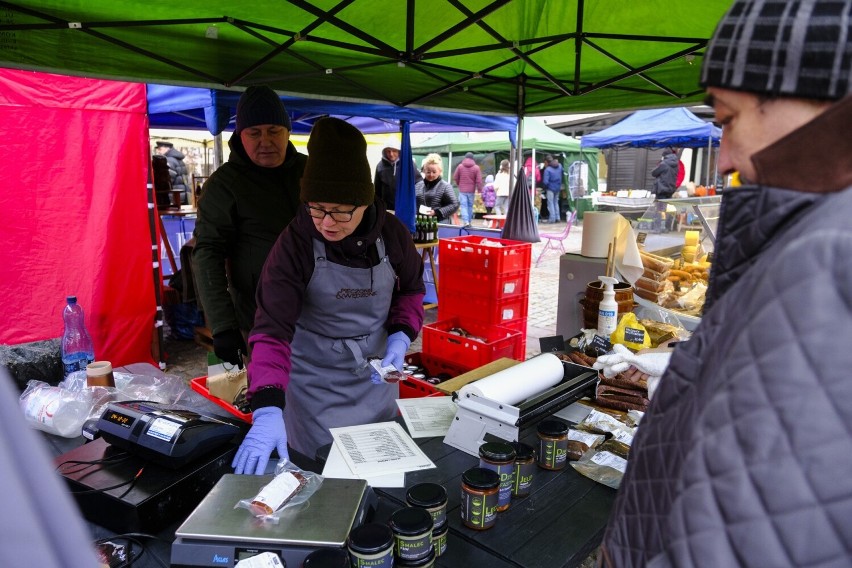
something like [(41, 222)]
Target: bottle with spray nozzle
[(608, 308)]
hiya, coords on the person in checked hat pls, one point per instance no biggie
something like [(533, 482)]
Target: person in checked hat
[(343, 283), (745, 453), (243, 208)]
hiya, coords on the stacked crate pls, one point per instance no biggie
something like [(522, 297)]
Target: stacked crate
[(484, 291)]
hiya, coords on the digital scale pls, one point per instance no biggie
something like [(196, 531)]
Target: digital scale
[(217, 534)]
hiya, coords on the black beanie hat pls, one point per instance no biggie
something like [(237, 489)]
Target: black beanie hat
[(260, 105), (337, 170), (778, 47)]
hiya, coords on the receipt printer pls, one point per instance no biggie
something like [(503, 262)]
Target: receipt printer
[(167, 436)]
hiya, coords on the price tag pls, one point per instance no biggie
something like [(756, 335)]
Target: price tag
[(640, 238), (633, 335), (600, 345)]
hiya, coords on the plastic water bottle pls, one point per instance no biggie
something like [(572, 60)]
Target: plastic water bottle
[(77, 349)]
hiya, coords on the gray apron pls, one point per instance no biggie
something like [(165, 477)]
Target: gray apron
[(342, 323)]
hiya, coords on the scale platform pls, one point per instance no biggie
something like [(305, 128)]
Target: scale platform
[(217, 534)]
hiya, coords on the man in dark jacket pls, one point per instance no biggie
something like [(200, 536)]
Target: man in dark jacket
[(177, 169), (385, 179), (243, 208), (665, 174), (745, 453)]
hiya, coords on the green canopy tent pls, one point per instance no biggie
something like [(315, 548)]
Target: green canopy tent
[(519, 57)]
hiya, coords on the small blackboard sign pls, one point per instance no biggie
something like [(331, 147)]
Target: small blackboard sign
[(551, 344), (633, 335), (600, 345), (640, 238)]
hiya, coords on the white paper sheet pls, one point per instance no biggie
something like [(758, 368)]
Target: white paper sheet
[(335, 466), (427, 416), (380, 448)]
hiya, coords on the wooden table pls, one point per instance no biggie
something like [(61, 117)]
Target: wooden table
[(429, 251), (495, 221)]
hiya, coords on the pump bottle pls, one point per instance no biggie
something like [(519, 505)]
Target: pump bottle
[(608, 308)]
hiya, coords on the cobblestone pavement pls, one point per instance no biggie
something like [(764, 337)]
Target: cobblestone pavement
[(187, 359)]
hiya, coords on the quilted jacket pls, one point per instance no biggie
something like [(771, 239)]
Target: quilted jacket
[(745, 455)]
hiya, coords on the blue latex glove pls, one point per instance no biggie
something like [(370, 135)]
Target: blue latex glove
[(267, 433), (398, 344)]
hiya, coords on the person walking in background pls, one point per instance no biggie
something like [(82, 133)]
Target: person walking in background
[(468, 178), (489, 194), (385, 179), (501, 187), (244, 206), (665, 174), (433, 192), (342, 283), (553, 185), (177, 169), (744, 455)]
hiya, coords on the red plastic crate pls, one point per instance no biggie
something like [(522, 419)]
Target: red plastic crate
[(473, 306), (468, 253), (416, 388), (499, 342), (199, 385), (495, 287)]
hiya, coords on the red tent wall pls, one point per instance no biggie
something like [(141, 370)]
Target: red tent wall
[(74, 210)]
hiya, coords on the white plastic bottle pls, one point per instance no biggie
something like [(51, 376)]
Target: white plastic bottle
[(608, 308)]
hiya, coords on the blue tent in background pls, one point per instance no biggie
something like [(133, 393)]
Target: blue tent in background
[(214, 110), (656, 128)]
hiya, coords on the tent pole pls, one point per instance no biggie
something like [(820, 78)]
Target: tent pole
[(218, 153), (709, 150)]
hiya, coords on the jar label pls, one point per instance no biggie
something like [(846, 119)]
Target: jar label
[(479, 510), (507, 480), (553, 453), (413, 547), (523, 478)]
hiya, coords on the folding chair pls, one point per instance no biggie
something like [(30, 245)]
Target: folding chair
[(556, 238)]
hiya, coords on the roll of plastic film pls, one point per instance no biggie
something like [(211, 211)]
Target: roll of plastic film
[(371, 545), (412, 531)]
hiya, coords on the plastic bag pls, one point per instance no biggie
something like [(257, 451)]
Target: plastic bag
[(290, 488), (55, 410), (631, 333)]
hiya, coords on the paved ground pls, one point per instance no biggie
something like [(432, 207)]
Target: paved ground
[(187, 359)]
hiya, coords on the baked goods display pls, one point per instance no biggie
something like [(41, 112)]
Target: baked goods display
[(676, 284)]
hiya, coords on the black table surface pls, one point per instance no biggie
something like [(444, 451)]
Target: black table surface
[(559, 523)]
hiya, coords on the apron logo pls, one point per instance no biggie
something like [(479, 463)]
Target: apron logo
[(346, 293)]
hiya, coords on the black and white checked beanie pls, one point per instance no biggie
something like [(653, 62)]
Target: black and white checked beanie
[(799, 48)]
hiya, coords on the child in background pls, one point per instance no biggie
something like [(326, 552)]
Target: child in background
[(489, 194)]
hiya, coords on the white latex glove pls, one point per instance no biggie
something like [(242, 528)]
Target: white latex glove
[(652, 363)]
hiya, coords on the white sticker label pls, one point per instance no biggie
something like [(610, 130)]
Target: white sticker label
[(623, 437), (585, 437), (274, 493), (610, 460), (508, 287), (163, 428), (508, 314)]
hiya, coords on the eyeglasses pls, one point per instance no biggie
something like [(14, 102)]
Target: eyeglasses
[(337, 216)]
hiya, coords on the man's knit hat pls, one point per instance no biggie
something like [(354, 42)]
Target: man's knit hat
[(260, 105), (781, 47), (337, 170)]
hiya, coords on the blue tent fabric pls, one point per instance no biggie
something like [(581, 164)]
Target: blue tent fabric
[(406, 202), (656, 128), (214, 110)]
